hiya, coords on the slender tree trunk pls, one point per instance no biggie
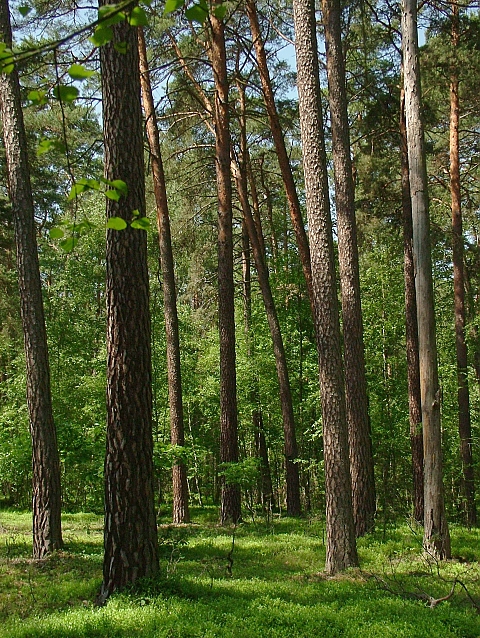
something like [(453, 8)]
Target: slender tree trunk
[(179, 470), (47, 532), (436, 537), (411, 328), (230, 504), (464, 423), (290, 447), (340, 528), (359, 439), (131, 549), (281, 150)]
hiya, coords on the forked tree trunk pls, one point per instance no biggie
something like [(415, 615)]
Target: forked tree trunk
[(47, 531), (463, 395), (411, 327), (290, 440), (359, 439), (130, 533), (230, 503), (177, 435), (436, 537), (340, 528)]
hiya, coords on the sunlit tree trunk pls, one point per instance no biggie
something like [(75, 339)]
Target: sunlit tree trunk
[(436, 538), (411, 327), (359, 439), (179, 470), (130, 532), (340, 528), (47, 532)]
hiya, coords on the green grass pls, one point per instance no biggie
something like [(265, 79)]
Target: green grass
[(277, 587)]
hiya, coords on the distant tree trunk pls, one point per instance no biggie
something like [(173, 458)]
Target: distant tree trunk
[(436, 537), (411, 328), (47, 531), (131, 548), (340, 528), (230, 504), (360, 443), (290, 447), (464, 424), (179, 471), (278, 140)]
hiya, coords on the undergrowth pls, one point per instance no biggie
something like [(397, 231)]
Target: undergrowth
[(259, 580)]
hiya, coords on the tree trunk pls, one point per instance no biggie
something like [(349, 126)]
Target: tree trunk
[(411, 328), (278, 140), (131, 549), (463, 396), (230, 503), (47, 532), (340, 528), (177, 435), (436, 537), (359, 439)]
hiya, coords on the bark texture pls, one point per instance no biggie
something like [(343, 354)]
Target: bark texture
[(230, 503), (177, 435), (340, 529), (359, 439), (463, 395), (436, 538), (411, 328), (47, 532), (130, 536)]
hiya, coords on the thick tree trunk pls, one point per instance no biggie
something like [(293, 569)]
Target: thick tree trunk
[(47, 532), (436, 537), (359, 439), (230, 504), (463, 396), (281, 150), (340, 528), (131, 548), (290, 447), (177, 435), (411, 328)]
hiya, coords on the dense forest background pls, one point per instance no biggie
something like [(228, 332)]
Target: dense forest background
[(65, 146)]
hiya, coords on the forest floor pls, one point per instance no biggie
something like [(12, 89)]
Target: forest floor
[(273, 586)]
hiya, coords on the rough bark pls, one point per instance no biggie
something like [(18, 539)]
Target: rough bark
[(47, 532), (359, 439), (436, 537), (130, 534), (177, 435), (340, 528), (230, 502), (281, 150), (411, 328)]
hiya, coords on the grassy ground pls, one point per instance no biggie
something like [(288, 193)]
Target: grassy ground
[(276, 587)]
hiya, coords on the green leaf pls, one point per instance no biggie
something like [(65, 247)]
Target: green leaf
[(25, 10), (138, 17), (46, 145), (117, 223), (56, 233), (172, 5), (38, 97), (143, 223), (65, 92), (109, 15), (220, 11), (6, 59), (101, 36), (196, 13), (120, 47), (79, 72), (83, 185), (119, 185), (113, 194), (69, 244)]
